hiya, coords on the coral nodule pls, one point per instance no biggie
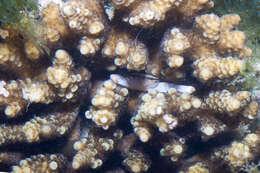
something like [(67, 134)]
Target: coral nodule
[(119, 86)]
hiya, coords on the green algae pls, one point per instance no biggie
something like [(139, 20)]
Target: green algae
[(23, 16), (13, 11), (19, 14), (249, 11)]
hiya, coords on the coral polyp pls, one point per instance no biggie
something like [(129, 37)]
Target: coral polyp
[(119, 86)]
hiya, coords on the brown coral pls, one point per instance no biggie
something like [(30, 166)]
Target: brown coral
[(84, 16), (126, 51), (208, 68), (107, 104), (227, 102), (164, 110), (52, 124), (56, 27), (42, 163), (136, 162), (91, 149), (161, 110)]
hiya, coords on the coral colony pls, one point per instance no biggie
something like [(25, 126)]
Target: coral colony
[(120, 86)]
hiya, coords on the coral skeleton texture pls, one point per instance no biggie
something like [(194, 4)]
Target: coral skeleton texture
[(119, 86)]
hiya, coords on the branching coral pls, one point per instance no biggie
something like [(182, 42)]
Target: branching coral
[(136, 162), (91, 149), (210, 44), (55, 123), (161, 109), (107, 104), (63, 83), (249, 12), (128, 52), (167, 107), (42, 163), (240, 153), (147, 13)]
